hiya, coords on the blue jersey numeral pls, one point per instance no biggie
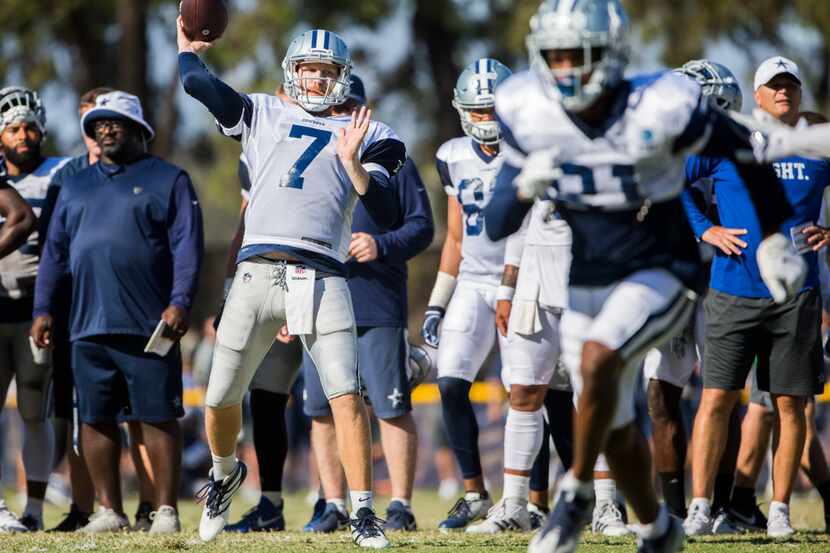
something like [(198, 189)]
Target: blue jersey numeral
[(471, 197), (624, 175), (294, 177)]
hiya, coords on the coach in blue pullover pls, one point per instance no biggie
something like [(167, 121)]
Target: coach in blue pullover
[(377, 277), (743, 322), (128, 230)]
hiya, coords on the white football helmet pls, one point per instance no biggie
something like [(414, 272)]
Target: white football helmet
[(717, 81), (475, 89), (596, 27), (21, 104), (317, 46)]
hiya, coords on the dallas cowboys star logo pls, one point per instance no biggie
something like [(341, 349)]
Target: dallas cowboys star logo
[(396, 397), (781, 63)]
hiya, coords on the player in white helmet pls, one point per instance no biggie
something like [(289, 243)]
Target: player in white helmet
[(22, 131), (308, 168), (610, 152), (467, 285)]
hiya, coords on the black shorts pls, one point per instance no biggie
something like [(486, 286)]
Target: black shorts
[(117, 382), (786, 339)]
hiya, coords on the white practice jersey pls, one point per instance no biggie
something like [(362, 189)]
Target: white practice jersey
[(470, 176), (619, 186), (19, 269), (301, 196)]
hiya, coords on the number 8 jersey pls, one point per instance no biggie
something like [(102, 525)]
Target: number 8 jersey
[(468, 174), (301, 196)]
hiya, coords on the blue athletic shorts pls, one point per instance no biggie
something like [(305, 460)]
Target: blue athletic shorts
[(381, 361), (117, 382)]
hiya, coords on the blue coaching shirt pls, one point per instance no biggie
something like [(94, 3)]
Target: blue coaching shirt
[(131, 237), (803, 181), (378, 288)]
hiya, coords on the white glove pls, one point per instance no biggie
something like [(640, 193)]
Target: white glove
[(538, 173), (783, 270)]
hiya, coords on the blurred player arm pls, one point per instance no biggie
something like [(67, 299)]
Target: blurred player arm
[(418, 230), (19, 220), (186, 234)]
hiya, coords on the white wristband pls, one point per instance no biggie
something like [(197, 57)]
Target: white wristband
[(442, 291), (505, 293)]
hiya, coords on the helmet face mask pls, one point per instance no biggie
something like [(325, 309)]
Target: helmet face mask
[(317, 47), (716, 81), (474, 99), (590, 34)]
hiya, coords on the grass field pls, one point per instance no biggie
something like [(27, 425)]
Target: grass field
[(429, 509)]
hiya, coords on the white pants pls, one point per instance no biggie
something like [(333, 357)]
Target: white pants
[(674, 361), (631, 316), (279, 369), (533, 360), (468, 333), (255, 311)]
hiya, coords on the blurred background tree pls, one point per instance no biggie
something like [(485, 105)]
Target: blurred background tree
[(409, 52)]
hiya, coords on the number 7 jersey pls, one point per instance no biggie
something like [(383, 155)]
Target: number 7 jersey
[(301, 196), (469, 175)]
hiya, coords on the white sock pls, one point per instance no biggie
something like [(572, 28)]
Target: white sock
[(523, 435), (223, 466), (778, 506), (38, 444), (360, 500), (704, 503), (605, 490), (516, 487), (602, 464), (274, 497), (402, 501), (34, 508), (473, 496), (569, 483), (656, 528), (338, 502)]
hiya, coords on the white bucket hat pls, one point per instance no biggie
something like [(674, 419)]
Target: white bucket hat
[(116, 105)]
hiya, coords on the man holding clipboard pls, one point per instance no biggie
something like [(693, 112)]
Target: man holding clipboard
[(129, 231)]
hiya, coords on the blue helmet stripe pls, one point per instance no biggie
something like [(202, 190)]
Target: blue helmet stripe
[(314, 39), (326, 40)]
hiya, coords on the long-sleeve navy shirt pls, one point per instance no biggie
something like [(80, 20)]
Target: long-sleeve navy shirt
[(378, 287), (131, 238)]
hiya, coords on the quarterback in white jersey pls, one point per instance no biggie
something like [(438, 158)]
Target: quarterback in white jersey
[(468, 278), (23, 128), (308, 168), (610, 152)]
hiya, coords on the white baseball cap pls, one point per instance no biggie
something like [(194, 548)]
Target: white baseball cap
[(774, 66), (116, 105)]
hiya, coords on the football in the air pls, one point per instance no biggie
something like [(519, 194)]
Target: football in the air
[(204, 20)]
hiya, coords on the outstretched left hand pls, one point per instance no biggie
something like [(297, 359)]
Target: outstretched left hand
[(351, 138)]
